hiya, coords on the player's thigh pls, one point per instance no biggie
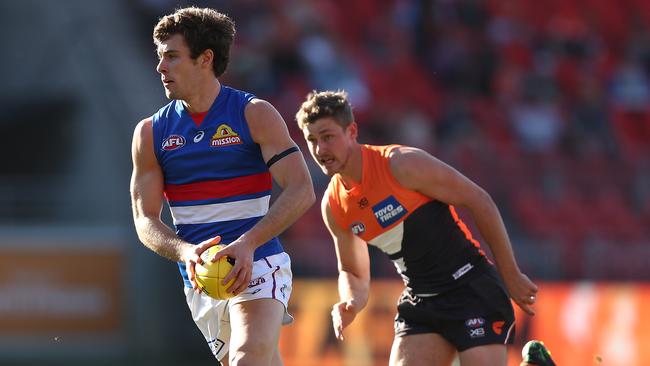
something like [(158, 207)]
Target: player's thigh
[(421, 349), (491, 354), (255, 325)]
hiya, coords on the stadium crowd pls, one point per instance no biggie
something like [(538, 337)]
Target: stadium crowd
[(545, 104)]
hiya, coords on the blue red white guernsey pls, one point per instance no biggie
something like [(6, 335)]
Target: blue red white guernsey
[(216, 180)]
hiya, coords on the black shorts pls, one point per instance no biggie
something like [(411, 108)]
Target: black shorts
[(477, 313)]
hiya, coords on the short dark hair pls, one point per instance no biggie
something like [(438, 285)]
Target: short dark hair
[(325, 104), (202, 29)]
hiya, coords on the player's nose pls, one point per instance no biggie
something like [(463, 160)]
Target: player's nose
[(319, 147), (161, 67)]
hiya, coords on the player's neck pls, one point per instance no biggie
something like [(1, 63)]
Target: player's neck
[(203, 98)]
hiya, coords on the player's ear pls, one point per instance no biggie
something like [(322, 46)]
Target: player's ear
[(353, 130), (206, 58)]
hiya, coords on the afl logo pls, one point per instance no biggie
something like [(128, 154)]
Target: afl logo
[(474, 322), (173, 142), (358, 228)]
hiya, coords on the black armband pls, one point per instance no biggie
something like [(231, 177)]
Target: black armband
[(281, 155)]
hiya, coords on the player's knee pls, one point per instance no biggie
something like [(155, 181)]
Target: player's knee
[(397, 359), (252, 354)]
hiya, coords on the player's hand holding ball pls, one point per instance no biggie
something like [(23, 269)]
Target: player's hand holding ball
[(209, 275)]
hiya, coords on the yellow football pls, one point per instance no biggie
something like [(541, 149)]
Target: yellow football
[(209, 275)]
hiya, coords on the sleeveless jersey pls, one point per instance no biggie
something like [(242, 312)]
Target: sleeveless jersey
[(216, 180), (430, 246)]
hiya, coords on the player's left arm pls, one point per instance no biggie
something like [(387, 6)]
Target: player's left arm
[(417, 170), (269, 131)]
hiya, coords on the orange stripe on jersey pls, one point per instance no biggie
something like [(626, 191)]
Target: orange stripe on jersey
[(464, 229), (379, 202)]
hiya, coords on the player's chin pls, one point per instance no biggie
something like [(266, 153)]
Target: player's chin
[(329, 169), (171, 94)]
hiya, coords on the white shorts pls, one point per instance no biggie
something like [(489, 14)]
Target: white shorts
[(271, 279)]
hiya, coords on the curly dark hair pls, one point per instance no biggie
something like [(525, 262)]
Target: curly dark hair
[(202, 29), (334, 104)]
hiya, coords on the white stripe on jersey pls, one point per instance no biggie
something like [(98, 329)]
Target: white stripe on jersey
[(217, 212), (390, 242)]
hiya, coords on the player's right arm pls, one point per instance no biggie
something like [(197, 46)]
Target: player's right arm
[(147, 200), (354, 272)]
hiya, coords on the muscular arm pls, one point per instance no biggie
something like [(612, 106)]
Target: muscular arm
[(354, 272), (417, 170), (147, 197), (147, 201), (270, 132)]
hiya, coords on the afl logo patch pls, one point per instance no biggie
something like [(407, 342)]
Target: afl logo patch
[(225, 136), (358, 228), (474, 322), (173, 142)]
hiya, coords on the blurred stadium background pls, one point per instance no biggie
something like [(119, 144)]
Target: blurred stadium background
[(546, 104)]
